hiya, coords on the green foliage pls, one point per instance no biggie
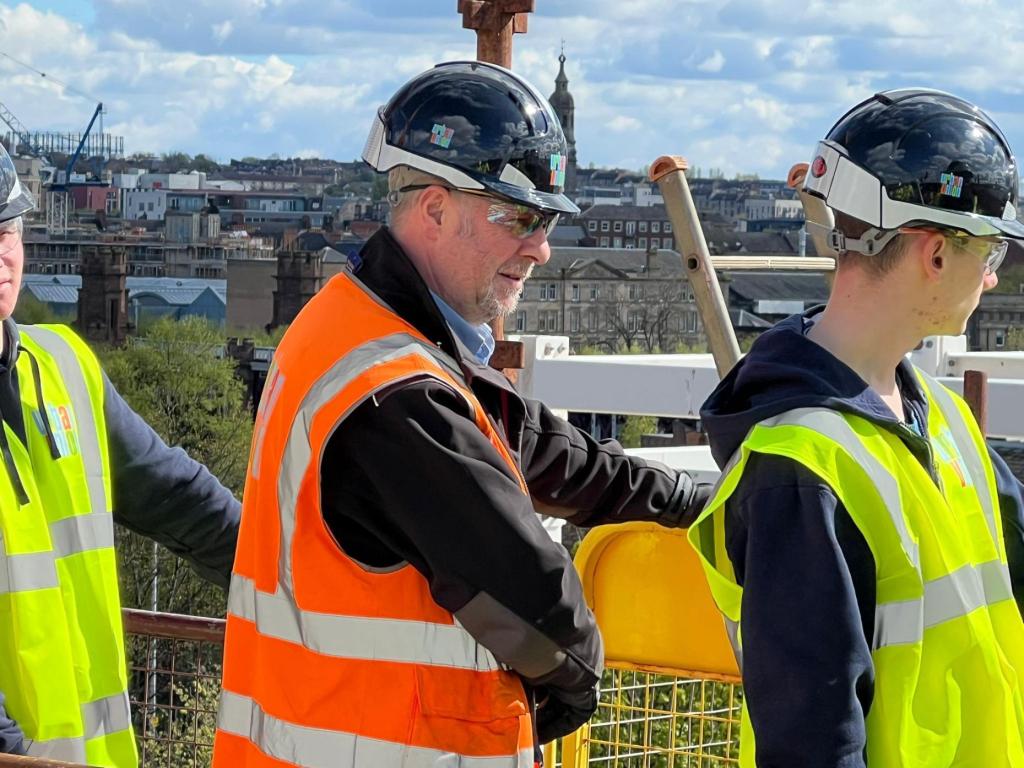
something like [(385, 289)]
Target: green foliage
[(1014, 340), (634, 428), (260, 336), (380, 187), (1011, 277), (176, 378), (31, 311)]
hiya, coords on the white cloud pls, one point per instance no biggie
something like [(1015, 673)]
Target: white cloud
[(713, 63), (222, 31), (623, 124)]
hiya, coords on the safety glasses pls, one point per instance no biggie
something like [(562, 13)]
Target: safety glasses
[(991, 251), (521, 220)]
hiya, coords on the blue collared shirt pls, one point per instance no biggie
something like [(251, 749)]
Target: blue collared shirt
[(479, 339)]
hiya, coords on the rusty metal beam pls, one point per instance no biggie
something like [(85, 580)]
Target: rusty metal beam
[(976, 395), (173, 625)]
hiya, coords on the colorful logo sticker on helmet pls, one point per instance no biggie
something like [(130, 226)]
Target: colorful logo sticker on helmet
[(441, 135), (818, 167), (952, 184), (558, 170)]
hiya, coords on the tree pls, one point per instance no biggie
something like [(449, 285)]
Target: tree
[(175, 161), (178, 380), (31, 311), (204, 164)]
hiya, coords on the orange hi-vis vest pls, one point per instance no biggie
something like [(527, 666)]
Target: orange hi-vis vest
[(329, 663)]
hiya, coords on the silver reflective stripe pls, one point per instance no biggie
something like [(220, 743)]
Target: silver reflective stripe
[(833, 426), (74, 381), (68, 750), (357, 637), (23, 573), (318, 748), (732, 629), (968, 451), (82, 533), (945, 599), (104, 717), (297, 451)]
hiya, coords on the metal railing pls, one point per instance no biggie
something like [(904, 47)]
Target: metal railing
[(174, 685)]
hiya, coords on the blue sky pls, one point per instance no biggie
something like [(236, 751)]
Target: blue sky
[(741, 85)]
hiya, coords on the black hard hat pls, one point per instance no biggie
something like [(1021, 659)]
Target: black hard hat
[(15, 199), (919, 156), (477, 126)]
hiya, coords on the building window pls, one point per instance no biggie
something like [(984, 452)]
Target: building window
[(633, 321), (574, 321), (668, 226), (655, 226), (636, 292), (642, 242), (547, 320), (617, 242), (604, 226), (630, 227), (1000, 338), (521, 320), (575, 291), (643, 226), (149, 206), (142, 206), (691, 322), (655, 242), (592, 226), (604, 242), (618, 226), (595, 292), (592, 319), (552, 292)]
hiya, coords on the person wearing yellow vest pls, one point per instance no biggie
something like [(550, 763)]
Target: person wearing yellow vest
[(864, 543), (75, 460), (395, 599)]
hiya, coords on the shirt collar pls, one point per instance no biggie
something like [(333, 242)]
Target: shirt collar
[(478, 339)]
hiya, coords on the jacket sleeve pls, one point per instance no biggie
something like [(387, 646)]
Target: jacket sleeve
[(162, 493), (411, 470), (12, 740), (590, 483), (1011, 507), (808, 602)]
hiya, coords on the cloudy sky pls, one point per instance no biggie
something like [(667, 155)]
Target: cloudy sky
[(740, 85)]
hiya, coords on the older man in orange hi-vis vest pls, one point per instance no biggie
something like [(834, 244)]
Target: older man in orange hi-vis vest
[(395, 599)]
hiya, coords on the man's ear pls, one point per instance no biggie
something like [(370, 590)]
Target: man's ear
[(430, 208), (931, 253)]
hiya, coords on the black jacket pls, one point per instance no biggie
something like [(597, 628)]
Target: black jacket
[(157, 491), (808, 575), (409, 477)]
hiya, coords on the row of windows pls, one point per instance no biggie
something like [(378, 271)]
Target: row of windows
[(548, 321), (635, 291), (656, 242), (631, 227)]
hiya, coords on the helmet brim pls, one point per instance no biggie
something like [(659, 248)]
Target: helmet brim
[(22, 203), (545, 201)]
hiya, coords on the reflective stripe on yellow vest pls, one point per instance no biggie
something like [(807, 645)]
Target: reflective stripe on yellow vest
[(328, 662), (948, 644), (62, 663)]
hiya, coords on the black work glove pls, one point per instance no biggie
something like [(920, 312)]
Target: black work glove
[(559, 713)]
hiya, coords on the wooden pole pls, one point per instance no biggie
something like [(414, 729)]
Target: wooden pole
[(495, 21), (976, 395)]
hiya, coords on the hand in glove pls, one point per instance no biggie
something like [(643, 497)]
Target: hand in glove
[(562, 712)]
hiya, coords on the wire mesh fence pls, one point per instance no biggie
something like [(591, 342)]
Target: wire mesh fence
[(174, 685), (650, 720)]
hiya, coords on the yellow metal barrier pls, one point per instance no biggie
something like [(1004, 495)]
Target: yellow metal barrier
[(670, 697)]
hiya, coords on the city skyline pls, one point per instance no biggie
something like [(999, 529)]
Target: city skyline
[(746, 86)]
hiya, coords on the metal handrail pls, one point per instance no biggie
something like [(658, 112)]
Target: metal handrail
[(175, 626)]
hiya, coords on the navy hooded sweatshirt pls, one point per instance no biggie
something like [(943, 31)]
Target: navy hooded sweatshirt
[(808, 575)]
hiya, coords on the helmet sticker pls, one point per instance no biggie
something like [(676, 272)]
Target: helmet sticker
[(818, 167), (558, 170), (952, 184), (441, 135)]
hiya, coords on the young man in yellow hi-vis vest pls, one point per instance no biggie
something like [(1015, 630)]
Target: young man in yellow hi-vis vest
[(864, 544), (75, 459)]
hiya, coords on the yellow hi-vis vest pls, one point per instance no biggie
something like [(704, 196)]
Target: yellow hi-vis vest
[(62, 661), (948, 645)]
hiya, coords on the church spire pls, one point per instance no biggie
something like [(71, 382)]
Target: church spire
[(564, 105)]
